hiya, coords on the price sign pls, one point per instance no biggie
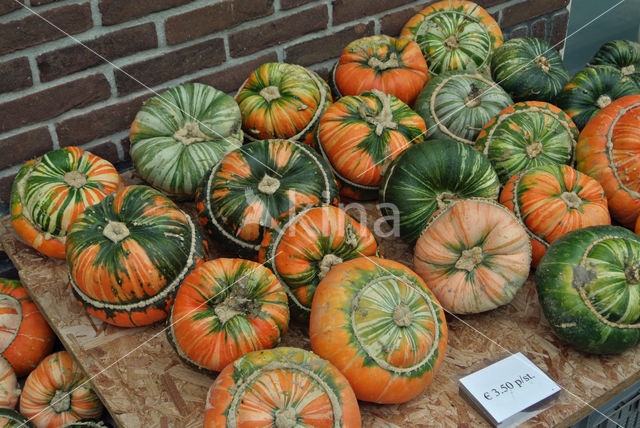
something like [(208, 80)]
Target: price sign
[(506, 389)]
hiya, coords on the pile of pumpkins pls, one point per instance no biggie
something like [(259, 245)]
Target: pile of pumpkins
[(469, 142)]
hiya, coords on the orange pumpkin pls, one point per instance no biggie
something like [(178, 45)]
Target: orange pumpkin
[(9, 388), (393, 66), (379, 324), (609, 150), (282, 388), (25, 336), (57, 392)]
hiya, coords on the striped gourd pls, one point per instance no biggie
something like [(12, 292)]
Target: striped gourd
[(526, 135), (454, 34), (181, 133), (49, 192), (360, 135), (456, 105), (621, 54), (380, 325), (224, 309), (12, 419), (9, 388), (128, 255)]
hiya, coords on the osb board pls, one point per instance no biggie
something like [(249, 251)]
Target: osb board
[(143, 383)]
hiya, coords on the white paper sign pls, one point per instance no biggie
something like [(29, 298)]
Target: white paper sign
[(508, 387)]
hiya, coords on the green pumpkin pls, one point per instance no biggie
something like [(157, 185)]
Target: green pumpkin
[(588, 284), (429, 175), (12, 419), (456, 105), (180, 134), (621, 54), (529, 69), (591, 90)]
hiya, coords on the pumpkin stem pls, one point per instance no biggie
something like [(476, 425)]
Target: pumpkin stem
[(237, 302), (61, 401), (473, 99), (603, 101), (384, 118), (75, 179), (451, 42), (470, 259), (270, 93), (189, 133), (534, 149), (327, 263), (391, 62), (632, 273), (268, 185), (444, 198), (543, 63), (115, 231), (286, 418), (402, 315), (571, 199), (628, 70)]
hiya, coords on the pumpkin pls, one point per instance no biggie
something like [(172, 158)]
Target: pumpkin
[(282, 101), (224, 309), (553, 200), (49, 192), (25, 336), (529, 69), (128, 255), (181, 133), (454, 34), (587, 284), (591, 90), (257, 185), (526, 135), (360, 135), (281, 387), (621, 54), (12, 419), (379, 324), (429, 175), (456, 105), (9, 388), (474, 255), (308, 245), (58, 392), (393, 66), (609, 151)]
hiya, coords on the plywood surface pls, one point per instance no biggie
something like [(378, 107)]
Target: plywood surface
[(143, 383)]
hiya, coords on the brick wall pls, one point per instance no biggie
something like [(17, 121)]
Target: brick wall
[(54, 92)]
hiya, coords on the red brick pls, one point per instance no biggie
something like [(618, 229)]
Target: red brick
[(126, 149), (230, 79), (290, 4), (539, 29), (117, 11), (255, 39), (32, 30), (99, 123), (20, 148), (349, 10), (529, 9), (7, 6), (170, 65), (118, 44), (53, 102), (106, 151), (520, 31), (327, 47), (15, 74), (5, 188), (392, 23), (489, 3), (559, 29)]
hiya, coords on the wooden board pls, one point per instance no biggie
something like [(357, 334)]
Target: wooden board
[(142, 381)]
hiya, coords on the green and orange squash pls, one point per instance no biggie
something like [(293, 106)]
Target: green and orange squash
[(226, 308), (25, 336), (51, 191), (12, 419), (360, 135), (379, 324), (609, 151), (282, 101), (181, 133), (303, 250), (553, 200), (526, 135), (390, 65), (621, 54), (588, 286), (428, 176), (281, 387), (456, 105), (453, 35), (128, 255), (259, 184), (58, 392), (9, 387), (474, 255)]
